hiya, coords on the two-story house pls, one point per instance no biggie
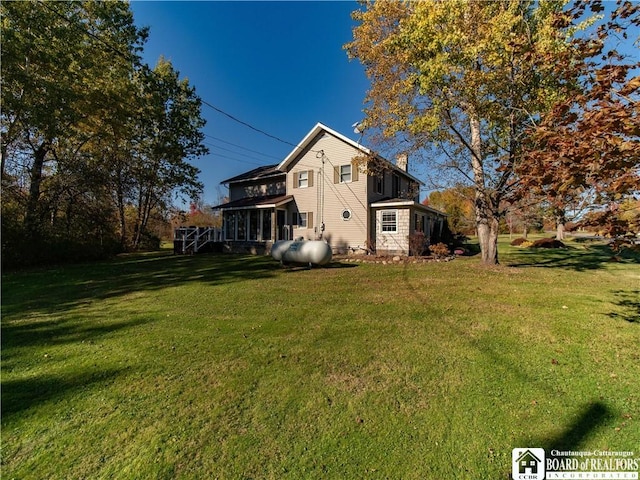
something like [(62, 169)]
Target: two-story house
[(319, 192)]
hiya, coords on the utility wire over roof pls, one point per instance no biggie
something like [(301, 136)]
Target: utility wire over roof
[(256, 174)]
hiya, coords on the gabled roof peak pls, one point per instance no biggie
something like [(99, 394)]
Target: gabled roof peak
[(320, 127), (313, 133)]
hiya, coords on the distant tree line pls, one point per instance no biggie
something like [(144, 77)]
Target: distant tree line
[(95, 144)]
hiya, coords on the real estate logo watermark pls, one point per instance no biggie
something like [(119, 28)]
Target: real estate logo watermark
[(537, 464), (528, 463)]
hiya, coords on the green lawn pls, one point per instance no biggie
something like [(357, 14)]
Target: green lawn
[(162, 366)]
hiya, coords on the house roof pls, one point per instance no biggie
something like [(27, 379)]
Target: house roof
[(403, 202), (268, 201), (315, 131), (265, 171)]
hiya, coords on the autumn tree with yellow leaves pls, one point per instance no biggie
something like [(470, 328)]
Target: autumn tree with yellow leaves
[(469, 78)]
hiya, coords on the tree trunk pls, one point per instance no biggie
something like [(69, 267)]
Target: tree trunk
[(561, 220), (121, 209), (32, 218), (486, 221), (488, 238)]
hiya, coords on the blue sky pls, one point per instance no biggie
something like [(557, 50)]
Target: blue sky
[(279, 66)]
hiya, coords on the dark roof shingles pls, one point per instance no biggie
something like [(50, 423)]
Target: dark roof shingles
[(255, 174)]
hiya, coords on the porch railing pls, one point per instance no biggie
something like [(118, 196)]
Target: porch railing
[(192, 239)]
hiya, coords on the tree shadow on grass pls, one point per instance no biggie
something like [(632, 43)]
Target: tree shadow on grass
[(298, 267), (60, 289), (20, 389), (579, 259), (22, 394), (629, 301), (592, 417), (16, 335)]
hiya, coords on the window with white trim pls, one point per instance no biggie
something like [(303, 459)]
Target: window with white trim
[(302, 219), (241, 217), (266, 225), (303, 179), (254, 224), (389, 221), (229, 220), (345, 173)]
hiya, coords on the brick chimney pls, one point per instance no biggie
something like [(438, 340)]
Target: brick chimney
[(402, 161)]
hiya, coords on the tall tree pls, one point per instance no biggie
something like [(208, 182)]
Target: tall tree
[(89, 135), (458, 75), (590, 139), (169, 135), (57, 62)]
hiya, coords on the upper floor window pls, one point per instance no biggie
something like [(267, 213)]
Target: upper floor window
[(380, 184), (414, 190), (303, 179), (395, 186), (345, 173)]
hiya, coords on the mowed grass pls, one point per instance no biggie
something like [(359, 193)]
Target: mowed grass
[(230, 367)]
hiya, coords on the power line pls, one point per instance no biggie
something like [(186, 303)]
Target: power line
[(237, 159), (243, 148), (236, 153), (136, 61), (248, 125)]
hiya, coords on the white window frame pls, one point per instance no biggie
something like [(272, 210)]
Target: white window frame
[(230, 222), (344, 174), (303, 179), (242, 225), (302, 220), (257, 225), (265, 219), (389, 226)]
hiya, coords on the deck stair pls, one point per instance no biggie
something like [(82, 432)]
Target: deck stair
[(192, 240)]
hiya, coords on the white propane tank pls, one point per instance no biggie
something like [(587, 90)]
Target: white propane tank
[(314, 252)]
